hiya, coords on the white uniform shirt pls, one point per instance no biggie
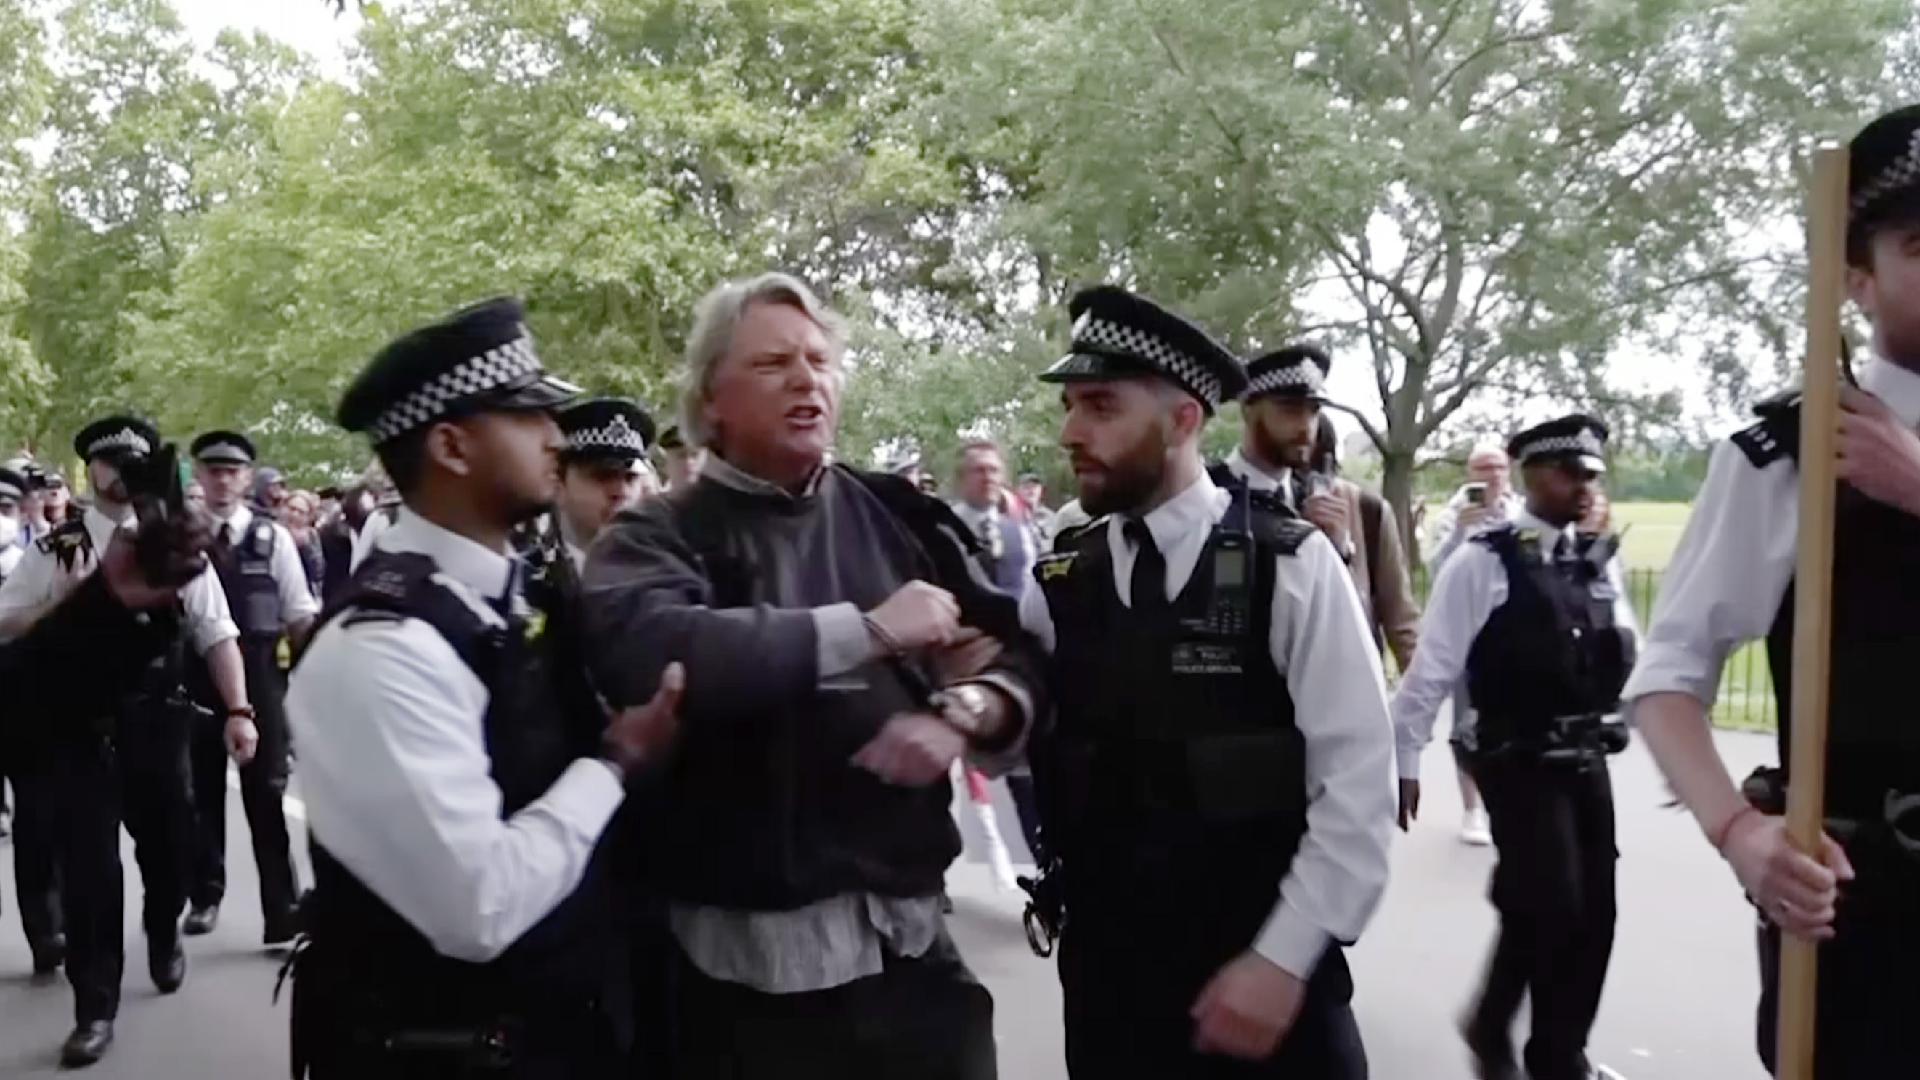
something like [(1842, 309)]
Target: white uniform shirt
[(1471, 586), (1736, 558), (289, 576), (1260, 479), (40, 582), (377, 522), (394, 768), (1320, 645)]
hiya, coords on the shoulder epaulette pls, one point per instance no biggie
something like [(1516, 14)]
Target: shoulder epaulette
[(1496, 537), (1277, 527), (1776, 436)]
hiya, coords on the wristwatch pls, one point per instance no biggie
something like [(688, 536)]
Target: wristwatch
[(966, 708), (241, 710)]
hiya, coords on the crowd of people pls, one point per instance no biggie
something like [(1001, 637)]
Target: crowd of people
[(630, 752)]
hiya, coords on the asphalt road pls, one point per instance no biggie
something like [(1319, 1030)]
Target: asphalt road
[(1679, 999)]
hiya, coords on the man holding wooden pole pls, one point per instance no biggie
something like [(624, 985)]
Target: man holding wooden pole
[(1824, 535)]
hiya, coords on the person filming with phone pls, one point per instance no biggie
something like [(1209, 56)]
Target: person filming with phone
[(1485, 500)]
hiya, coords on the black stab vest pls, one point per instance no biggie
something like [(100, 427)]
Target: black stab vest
[(246, 573), (1872, 744), (1173, 781), (1553, 649), (561, 964)]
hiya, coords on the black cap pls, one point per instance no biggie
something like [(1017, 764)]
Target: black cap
[(607, 427), (116, 436), (1117, 335), (1576, 440), (1883, 172), (13, 486), (223, 448), (1293, 371), (479, 359), (671, 439)]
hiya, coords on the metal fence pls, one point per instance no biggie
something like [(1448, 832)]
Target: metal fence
[(1746, 699)]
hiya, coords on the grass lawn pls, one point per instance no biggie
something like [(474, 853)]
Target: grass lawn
[(1649, 532)]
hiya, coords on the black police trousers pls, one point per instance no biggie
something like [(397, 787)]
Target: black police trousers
[(1129, 1018), (925, 1018), (1867, 995), (36, 875), (139, 777), (263, 785), (1554, 889)]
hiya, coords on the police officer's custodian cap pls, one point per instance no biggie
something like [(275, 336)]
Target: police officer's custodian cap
[(1294, 371), (1578, 440), (223, 448), (1117, 335), (480, 359), (116, 436), (615, 428), (13, 486), (1883, 177)]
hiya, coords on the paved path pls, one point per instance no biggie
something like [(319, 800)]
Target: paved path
[(1678, 1006)]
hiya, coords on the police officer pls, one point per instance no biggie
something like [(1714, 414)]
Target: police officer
[(267, 591), (455, 792), (33, 875), (1534, 613), (1731, 581), (1217, 787), (603, 469), (130, 766)]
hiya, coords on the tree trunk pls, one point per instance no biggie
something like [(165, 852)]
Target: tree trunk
[(1396, 486)]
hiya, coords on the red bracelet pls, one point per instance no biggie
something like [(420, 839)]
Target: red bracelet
[(1726, 828)]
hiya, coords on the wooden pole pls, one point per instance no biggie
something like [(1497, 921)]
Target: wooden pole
[(1813, 582)]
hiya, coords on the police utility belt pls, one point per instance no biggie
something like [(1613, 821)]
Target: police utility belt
[(1575, 740), (1893, 831)]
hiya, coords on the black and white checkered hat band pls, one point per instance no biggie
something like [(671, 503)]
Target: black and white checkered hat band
[(125, 439), (1584, 443), (1901, 174), (1302, 376), (1113, 337), (618, 436), (499, 366), (9, 491)]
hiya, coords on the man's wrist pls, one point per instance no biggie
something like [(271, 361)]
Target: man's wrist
[(240, 712)]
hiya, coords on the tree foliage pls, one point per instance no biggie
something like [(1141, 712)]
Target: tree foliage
[(1479, 201)]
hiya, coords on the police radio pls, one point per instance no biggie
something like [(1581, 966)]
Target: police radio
[(1230, 613)]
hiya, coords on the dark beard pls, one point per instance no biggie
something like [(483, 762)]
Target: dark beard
[(1130, 482), (1276, 454)]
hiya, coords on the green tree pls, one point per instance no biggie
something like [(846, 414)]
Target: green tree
[(1467, 193)]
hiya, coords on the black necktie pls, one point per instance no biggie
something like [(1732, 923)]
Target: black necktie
[(1300, 491), (1149, 568), (226, 536)]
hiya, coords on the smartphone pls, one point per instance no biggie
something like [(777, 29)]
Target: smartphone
[(1477, 494)]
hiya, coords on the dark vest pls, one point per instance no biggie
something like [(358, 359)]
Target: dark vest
[(1007, 570), (1552, 650), (136, 725), (1872, 747), (1173, 781), (369, 966), (246, 573), (773, 816)]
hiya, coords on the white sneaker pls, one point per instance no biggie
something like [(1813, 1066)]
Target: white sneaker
[(1475, 830)]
